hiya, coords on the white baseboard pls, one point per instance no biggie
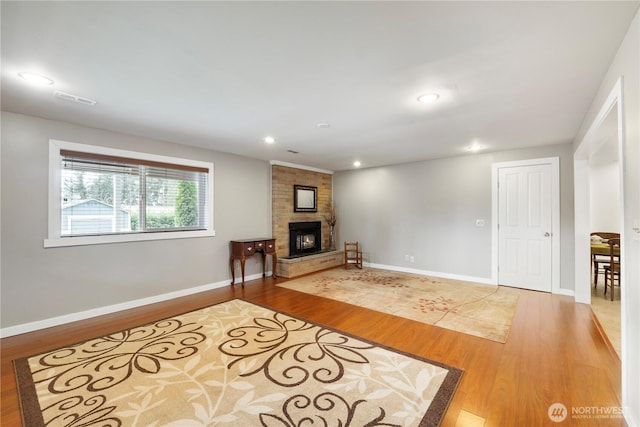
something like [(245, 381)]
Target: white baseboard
[(483, 280), (82, 315), (560, 291)]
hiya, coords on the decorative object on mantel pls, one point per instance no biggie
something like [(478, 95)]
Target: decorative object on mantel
[(305, 198), (331, 220)]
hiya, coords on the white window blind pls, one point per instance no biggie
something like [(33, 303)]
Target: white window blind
[(106, 195)]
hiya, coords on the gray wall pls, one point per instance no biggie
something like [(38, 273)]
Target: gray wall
[(425, 209), (429, 210), (38, 283)]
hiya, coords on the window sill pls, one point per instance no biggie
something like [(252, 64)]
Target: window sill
[(122, 238)]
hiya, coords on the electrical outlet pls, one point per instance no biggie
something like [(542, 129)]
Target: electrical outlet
[(479, 222), (411, 258), (406, 257)]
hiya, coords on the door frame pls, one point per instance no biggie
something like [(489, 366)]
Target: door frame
[(590, 144), (587, 146), (555, 217)]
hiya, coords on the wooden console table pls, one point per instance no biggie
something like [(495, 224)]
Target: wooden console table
[(243, 249)]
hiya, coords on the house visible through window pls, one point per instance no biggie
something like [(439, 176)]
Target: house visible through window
[(102, 194)]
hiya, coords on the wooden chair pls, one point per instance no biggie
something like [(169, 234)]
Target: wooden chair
[(613, 268), (352, 254), (600, 261)]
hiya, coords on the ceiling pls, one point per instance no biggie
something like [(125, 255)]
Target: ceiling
[(223, 75)]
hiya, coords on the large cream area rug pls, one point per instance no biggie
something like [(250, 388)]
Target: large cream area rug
[(485, 311), (232, 364)]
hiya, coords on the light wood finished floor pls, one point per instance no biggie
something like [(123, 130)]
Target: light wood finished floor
[(608, 314), (555, 352)]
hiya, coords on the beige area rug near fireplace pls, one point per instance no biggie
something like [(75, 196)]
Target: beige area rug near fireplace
[(232, 364), (485, 311)]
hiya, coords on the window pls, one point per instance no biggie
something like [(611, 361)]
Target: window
[(103, 195)]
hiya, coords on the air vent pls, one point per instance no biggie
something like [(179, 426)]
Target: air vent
[(293, 152), (73, 98)]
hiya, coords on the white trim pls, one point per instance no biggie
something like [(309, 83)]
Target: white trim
[(589, 145), (55, 239), (555, 217), (293, 165), (582, 229), (567, 292), (125, 237), (482, 280), (82, 315)]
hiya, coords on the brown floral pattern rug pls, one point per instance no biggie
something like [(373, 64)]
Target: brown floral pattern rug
[(232, 364), (484, 311)]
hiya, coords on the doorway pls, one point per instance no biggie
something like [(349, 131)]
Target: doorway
[(603, 140), (607, 129), (526, 224), (605, 215)]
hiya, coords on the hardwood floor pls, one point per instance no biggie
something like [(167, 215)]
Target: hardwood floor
[(554, 353)]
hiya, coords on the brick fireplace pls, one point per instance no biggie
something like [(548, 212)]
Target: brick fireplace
[(283, 178)]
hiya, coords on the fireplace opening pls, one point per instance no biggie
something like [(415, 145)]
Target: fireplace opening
[(305, 238)]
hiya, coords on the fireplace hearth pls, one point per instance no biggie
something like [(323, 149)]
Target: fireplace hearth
[(305, 238)]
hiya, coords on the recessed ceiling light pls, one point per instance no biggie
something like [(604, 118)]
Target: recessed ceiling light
[(269, 139), (428, 98), (475, 147), (35, 79), (323, 125), (357, 164)]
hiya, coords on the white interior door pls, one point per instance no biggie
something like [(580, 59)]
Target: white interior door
[(525, 227)]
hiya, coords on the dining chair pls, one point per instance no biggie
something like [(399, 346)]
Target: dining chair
[(600, 260), (612, 270), (352, 254)]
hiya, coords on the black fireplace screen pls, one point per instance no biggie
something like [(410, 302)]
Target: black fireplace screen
[(305, 237), (305, 241)]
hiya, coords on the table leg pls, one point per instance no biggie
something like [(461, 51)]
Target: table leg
[(264, 265), (612, 277), (274, 262), (233, 270), (242, 268)]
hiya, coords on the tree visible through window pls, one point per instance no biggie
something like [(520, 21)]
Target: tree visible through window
[(186, 204)]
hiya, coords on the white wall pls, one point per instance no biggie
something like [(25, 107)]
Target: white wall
[(604, 188), (39, 284), (429, 210), (627, 64)]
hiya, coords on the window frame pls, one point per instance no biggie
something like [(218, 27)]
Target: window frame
[(55, 239)]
